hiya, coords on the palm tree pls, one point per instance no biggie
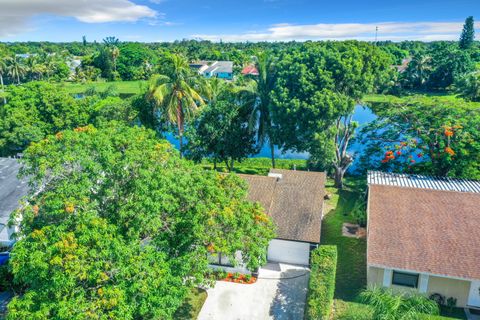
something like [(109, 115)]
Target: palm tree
[(176, 93), (258, 94), (387, 305), (16, 69), (3, 70), (115, 52), (111, 41), (419, 69)]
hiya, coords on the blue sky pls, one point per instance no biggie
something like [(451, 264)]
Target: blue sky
[(247, 20)]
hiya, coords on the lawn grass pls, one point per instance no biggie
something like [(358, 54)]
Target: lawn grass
[(352, 263), (192, 305), (437, 97), (260, 166), (123, 87)]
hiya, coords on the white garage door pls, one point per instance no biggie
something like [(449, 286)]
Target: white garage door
[(289, 252)]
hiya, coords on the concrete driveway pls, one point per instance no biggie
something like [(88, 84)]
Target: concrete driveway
[(279, 293)]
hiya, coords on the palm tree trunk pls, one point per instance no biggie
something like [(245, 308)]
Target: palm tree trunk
[(272, 152), (180, 126), (18, 78), (3, 89)]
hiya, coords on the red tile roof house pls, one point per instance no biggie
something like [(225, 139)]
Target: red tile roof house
[(250, 70), (294, 201), (424, 235)]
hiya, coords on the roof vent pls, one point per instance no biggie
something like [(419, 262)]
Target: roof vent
[(279, 176)]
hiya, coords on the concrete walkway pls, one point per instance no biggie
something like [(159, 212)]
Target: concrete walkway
[(279, 293)]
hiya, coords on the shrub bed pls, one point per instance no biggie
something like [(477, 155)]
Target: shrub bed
[(321, 286)]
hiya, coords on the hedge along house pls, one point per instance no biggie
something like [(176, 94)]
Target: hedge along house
[(424, 236), (12, 190), (294, 202)]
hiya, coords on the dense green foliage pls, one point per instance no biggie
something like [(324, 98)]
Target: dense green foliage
[(35, 110), (321, 286), (122, 226), (222, 130), (424, 135), (392, 306), (38, 109)]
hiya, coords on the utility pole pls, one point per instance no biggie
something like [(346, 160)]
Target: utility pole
[(376, 34)]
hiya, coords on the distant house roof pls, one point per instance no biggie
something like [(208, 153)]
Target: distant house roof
[(294, 201), (220, 67), (424, 230), (11, 191), (250, 70), (423, 182)]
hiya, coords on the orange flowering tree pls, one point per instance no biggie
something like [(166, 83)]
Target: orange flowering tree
[(424, 135), (122, 226)]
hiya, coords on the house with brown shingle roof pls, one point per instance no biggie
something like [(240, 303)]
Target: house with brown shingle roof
[(423, 235), (294, 201)]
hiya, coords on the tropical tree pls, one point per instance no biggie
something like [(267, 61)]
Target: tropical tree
[(468, 34), (111, 41), (387, 305), (16, 68), (425, 135), (468, 86), (35, 110), (3, 70), (118, 226), (115, 52), (258, 94), (222, 131), (176, 93), (418, 71)]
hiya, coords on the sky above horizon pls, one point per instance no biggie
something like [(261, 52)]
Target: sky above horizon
[(247, 20)]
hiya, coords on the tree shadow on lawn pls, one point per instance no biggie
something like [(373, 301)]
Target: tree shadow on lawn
[(290, 297), (192, 305), (351, 275)]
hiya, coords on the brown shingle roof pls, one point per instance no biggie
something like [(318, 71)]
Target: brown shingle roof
[(423, 230), (294, 202)]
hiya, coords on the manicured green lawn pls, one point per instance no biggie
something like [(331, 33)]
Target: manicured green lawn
[(192, 305), (260, 166), (123, 87), (351, 265), (438, 96)]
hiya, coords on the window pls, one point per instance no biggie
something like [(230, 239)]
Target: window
[(405, 279), (219, 259)]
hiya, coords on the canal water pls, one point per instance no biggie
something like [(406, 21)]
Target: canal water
[(362, 114)]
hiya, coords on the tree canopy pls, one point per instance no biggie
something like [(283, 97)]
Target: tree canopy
[(122, 226)]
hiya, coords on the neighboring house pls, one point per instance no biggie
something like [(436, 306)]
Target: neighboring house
[(294, 202), (214, 69), (250, 70), (12, 190), (424, 235)]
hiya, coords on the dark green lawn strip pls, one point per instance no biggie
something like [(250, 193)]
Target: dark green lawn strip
[(192, 305)]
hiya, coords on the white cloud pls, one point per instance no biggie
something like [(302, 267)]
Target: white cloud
[(396, 31), (16, 14)]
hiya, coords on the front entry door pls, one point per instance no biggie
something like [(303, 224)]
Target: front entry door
[(474, 296)]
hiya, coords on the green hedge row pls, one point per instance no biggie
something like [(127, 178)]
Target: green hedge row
[(321, 286)]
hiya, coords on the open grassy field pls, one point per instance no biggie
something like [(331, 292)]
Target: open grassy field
[(122, 87), (444, 98)]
